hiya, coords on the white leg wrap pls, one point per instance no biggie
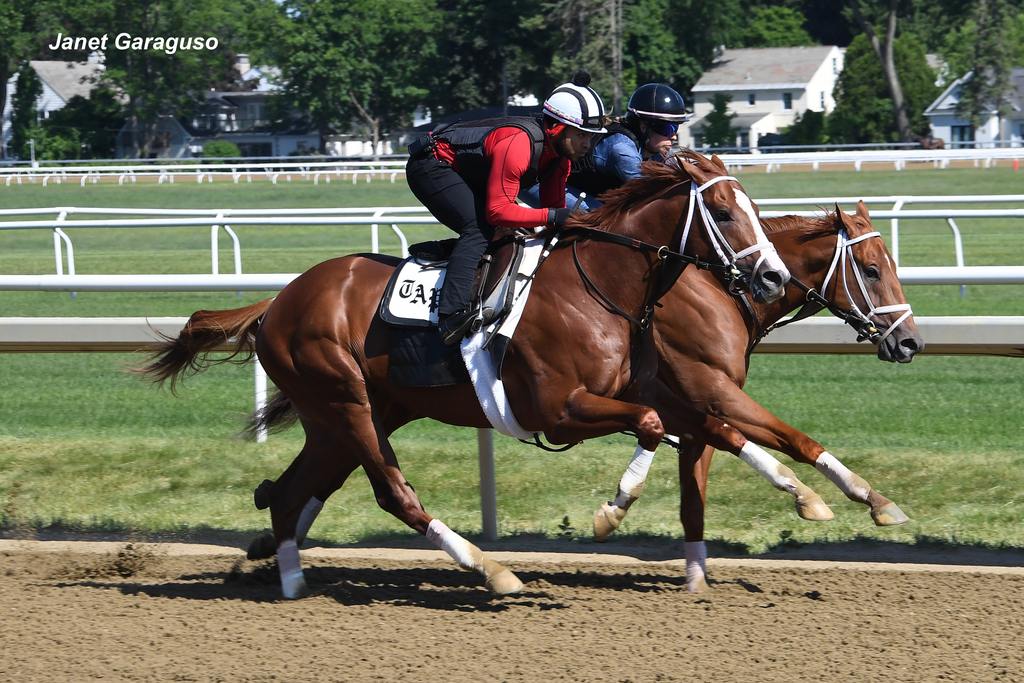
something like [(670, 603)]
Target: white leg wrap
[(290, 568), (849, 483), (780, 476), (306, 518), (633, 480), (460, 550), (696, 563)]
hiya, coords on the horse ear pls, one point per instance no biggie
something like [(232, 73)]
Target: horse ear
[(719, 163), (844, 218), (862, 210)]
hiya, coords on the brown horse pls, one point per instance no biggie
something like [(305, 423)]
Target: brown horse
[(703, 367), (580, 365)]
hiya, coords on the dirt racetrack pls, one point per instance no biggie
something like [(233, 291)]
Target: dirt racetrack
[(74, 612)]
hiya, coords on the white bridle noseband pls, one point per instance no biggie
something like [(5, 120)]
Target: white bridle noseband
[(721, 245), (844, 251)]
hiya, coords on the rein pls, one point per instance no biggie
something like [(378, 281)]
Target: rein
[(815, 301)]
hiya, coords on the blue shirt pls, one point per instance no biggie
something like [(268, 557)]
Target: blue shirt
[(616, 155)]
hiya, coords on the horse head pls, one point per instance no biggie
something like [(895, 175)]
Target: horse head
[(865, 282), (732, 231)]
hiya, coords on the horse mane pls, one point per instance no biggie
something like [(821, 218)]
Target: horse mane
[(655, 179), (826, 224)]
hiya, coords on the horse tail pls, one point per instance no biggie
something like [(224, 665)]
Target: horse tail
[(276, 415), (204, 332)]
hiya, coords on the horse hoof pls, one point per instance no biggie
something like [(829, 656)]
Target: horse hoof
[(606, 520), (813, 508), (263, 494), (262, 547), (697, 585), (293, 586), (889, 515), (500, 580)]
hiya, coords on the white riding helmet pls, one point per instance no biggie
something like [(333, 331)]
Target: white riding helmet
[(577, 104)]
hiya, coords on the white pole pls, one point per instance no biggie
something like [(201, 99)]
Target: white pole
[(488, 490)]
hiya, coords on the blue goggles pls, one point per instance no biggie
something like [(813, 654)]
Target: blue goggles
[(663, 128)]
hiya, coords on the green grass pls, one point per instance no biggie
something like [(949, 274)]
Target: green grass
[(82, 443)]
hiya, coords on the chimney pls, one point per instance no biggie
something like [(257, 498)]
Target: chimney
[(242, 64)]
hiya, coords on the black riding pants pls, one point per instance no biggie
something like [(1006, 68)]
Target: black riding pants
[(452, 201)]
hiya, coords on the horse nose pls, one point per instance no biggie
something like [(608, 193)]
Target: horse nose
[(910, 346), (772, 278)]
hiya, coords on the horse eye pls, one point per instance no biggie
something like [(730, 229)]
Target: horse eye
[(871, 272), (722, 216)]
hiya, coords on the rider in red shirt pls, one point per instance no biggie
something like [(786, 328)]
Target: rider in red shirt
[(469, 174)]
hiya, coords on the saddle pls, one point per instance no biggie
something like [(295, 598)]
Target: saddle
[(410, 302)]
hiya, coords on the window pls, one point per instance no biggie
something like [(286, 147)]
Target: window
[(835, 65), (787, 100), (751, 98), (961, 136), (823, 100)]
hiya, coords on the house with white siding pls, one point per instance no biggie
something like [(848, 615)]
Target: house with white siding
[(61, 81), (768, 87), (995, 129)]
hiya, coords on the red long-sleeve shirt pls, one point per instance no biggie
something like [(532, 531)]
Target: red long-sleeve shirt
[(508, 149)]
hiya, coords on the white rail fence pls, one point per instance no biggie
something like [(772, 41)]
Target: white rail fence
[(1002, 336), (223, 219), (389, 169)]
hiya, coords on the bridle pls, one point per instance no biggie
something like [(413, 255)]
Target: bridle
[(854, 317), (736, 281)]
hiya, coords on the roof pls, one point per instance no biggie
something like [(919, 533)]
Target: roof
[(946, 102), (69, 79), (765, 67)]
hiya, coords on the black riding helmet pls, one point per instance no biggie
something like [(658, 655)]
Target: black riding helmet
[(657, 101)]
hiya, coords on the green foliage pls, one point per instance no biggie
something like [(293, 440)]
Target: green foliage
[(359, 60), (718, 128), (775, 26), (864, 108), (221, 148), (91, 123), (24, 115), (989, 87), (807, 129)]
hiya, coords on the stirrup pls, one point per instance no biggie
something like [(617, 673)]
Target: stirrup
[(455, 327)]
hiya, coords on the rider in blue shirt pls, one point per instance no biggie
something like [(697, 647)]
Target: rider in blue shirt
[(654, 112)]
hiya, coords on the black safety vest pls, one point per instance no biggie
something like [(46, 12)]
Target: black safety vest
[(467, 141), (587, 176)]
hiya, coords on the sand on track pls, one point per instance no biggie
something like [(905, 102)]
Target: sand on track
[(74, 611)]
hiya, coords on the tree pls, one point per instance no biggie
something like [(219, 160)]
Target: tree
[(864, 108), (221, 149), (775, 27), (24, 28), (718, 128), (94, 122), (807, 129), (869, 14), (359, 60), (24, 115), (989, 87)]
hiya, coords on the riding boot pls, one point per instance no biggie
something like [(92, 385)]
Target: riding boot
[(453, 327)]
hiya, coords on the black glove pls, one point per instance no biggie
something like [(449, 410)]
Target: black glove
[(558, 217)]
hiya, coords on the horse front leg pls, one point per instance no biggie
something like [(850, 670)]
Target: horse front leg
[(759, 425), (588, 415)]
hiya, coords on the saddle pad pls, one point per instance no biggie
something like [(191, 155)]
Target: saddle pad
[(412, 293)]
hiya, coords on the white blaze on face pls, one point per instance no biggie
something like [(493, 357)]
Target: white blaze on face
[(771, 259)]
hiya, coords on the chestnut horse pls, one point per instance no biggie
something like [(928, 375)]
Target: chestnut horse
[(845, 263), (581, 364)]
